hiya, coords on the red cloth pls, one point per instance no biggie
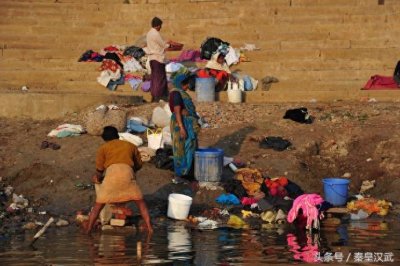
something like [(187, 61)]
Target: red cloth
[(277, 186), (378, 82)]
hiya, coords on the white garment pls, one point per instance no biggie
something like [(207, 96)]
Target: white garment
[(107, 75), (156, 46), (136, 140), (132, 65), (173, 67), (78, 129), (232, 57)]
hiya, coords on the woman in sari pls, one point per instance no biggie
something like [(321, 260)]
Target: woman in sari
[(184, 129), (119, 160)]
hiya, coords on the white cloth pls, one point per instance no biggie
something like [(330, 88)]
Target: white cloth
[(232, 57), (76, 129), (132, 66), (156, 46), (107, 75), (213, 64), (173, 67), (136, 140)]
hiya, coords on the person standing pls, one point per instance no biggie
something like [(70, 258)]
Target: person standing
[(119, 160), (184, 130), (155, 49)]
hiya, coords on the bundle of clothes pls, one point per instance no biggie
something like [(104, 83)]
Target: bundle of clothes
[(119, 64), (274, 198)]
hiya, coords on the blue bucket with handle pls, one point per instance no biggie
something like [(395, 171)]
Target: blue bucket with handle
[(336, 190)]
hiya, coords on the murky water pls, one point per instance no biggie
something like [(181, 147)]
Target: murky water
[(173, 244)]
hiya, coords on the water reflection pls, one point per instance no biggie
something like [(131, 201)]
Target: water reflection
[(175, 244)]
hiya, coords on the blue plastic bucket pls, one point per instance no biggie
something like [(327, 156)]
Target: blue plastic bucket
[(208, 164), (336, 190), (205, 89)]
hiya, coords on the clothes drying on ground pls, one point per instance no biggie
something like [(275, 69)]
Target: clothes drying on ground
[(134, 51), (115, 57), (188, 55), (132, 65), (227, 199), (135, 83), (210, 46), (379, 82), (113, 84), (107, 75), (300, 115), (90, 56), (251, 180), (235, 187), (109, 64), (275, 143)]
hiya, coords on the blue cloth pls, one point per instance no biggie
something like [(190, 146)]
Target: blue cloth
[(112, 85), (248, 86), (228, 199), (177, 80), (135, 83), (135, 126)]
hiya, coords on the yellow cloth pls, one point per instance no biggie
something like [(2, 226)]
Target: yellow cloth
[(118, 151), (119, 185), (156, 46), (251, 180)]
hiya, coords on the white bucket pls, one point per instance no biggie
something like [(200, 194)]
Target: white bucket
[(178, 206), (234, 96)]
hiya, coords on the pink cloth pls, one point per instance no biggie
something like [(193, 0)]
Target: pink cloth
[(188, 55), (307, 203), (378, 82), (307, 253), (248, 201)]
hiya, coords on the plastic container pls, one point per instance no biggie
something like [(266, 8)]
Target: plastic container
[(205, 89), (178, 206), (336, 190), (208, 164), (234, 96)]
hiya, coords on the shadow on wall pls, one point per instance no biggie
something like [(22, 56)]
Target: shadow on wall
[(232, 143)]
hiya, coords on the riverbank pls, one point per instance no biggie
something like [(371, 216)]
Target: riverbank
[(359, 140)]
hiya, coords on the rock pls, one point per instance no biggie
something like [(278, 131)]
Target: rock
[(62, 222), (346, 175), (97, 120), (29, 226)]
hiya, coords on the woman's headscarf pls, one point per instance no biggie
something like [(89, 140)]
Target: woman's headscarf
[(178, 80)]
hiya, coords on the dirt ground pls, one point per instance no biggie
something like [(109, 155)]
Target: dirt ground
[(360, 140)]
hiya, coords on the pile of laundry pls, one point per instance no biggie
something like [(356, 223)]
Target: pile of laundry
[(252, 197), (119, 64), (129, 64)]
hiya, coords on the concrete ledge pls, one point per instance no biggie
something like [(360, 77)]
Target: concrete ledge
[(51, 105), (54, 105)]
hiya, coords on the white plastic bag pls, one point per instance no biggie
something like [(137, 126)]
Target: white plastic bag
[(166, 136), (154, 139)]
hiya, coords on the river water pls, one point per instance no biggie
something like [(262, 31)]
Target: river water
[(367, 242)]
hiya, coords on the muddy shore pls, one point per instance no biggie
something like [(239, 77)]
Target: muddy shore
[(359, 140)]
